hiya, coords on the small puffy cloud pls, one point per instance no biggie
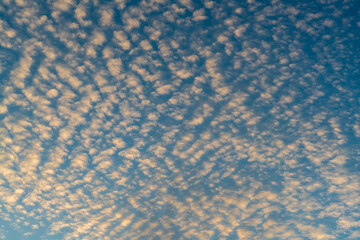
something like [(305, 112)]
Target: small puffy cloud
[(52, 93), (155, 35), (244, 233), (65, 134), (63, 5), (3, 109), (153, 116), (191, 58), (355, 234), (106, 17), (183, 74), (114, 66), (90, 51), (145, 44), (199, 15), (80, 14), (100, 80), (67, 75), (320, 235), (80, 161), (223, 90), (130, 153), (98, 38), (130, 21), (339, 160), (356, 128), (240, 30), (20, 3), (19, 74), (126, 222), (222, 39), (30, 163), (187, 3), (50, 53), (197, 120), (107, 52), (11, 33), (118, 142), (286, 99), (103, 165), (164, 89)]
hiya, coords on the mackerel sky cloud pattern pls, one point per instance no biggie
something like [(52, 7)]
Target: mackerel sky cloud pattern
[(160, 119)]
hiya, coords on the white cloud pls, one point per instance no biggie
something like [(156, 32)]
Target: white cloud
[(164, 89), (30, 162), (63, 5), (80, 14), (98, 38), (240, 30), (21, 3), (145, 44), (118, 142), (199, 15), (130, 153), (67, 75), (122, 40), (19, 74), (65, 133), (187, 3), (52, 93), (80, 161), (3, 109), (114, 66), (106, 17), (153, 116), (183, 74)]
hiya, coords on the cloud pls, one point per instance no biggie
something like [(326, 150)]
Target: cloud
[(130, 153), (187, 3), (80, 14), (106, 17), (122, 40), (20, 73), (114, 66), (199, 15), (164, 89), (67, 75), (136, 121), (98, 38), (80, 161), (52, 93), (118, 142), (146, 45), (3, 109)]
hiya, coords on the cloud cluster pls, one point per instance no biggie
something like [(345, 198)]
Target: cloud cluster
[(179, 120)]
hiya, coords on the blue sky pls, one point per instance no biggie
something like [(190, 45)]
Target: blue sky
[(186, 119)]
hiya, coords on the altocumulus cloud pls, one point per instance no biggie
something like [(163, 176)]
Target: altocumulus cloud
[(179, 119)]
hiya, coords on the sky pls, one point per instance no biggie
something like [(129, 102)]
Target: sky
[(187, 119)]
